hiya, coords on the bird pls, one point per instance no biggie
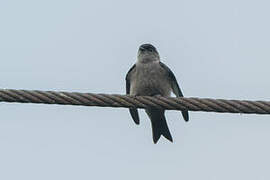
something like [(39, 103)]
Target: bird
[(150, 77)]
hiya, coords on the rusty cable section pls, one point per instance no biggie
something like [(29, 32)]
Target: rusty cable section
[(114, 100)]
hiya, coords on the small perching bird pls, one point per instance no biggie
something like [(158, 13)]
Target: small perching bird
[(150, 77)]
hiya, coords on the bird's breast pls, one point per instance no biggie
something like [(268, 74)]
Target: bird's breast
[(149, 80)]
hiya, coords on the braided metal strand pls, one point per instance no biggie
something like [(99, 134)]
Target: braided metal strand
[(106, 100)]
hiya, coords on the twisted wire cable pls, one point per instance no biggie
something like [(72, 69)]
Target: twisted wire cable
[(114, 100)]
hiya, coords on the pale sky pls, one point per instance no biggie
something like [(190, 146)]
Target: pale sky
[(216, 49)]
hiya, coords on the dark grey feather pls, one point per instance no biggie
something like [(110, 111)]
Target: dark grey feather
[(159, 124), (175, 87), (133, 111)]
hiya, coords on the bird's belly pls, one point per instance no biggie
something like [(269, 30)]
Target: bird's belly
[(149, 83)]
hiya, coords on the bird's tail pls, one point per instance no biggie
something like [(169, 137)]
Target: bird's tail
[(159, 124)]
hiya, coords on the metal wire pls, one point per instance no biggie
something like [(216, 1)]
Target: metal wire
[(114, 100)]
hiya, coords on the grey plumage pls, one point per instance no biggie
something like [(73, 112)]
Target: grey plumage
[(150, 77)]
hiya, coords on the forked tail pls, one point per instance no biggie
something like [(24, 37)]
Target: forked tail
[(159, 124)]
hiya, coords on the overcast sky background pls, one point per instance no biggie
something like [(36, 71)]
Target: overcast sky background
[(216, 49)]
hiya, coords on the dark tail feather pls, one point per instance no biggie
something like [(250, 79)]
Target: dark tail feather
[(159, 125), (185, 115)]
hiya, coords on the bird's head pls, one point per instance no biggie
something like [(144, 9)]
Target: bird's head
[(147, 53)]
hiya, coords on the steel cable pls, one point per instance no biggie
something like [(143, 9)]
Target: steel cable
[(114, 100)]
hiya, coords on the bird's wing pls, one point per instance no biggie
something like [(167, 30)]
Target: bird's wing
[(175, 87), (133, 111)]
